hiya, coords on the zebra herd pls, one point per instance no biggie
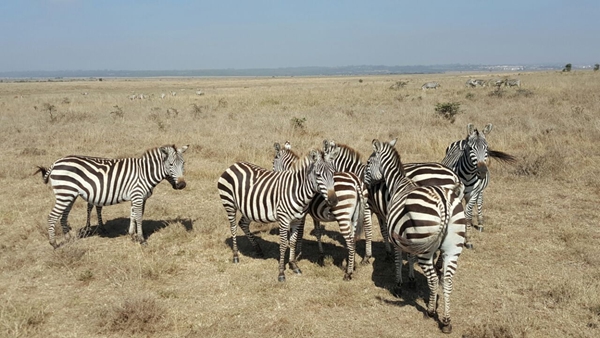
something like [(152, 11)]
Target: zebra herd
[(418, 205), (472, 83)]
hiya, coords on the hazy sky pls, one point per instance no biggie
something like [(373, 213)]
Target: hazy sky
[(177, 35)]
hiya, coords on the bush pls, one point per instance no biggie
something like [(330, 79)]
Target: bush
[(448, 110)]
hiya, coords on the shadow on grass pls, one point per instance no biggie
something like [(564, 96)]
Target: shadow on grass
[(120, 227)]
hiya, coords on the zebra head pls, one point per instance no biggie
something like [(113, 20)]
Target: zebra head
[(172, 159), (384, 155), (321, 175), (284, 158), (477, 148)]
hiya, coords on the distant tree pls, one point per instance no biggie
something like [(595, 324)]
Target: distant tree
[(567, 68), (596, 67)]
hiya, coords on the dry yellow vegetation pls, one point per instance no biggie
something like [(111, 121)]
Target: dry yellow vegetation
[(534, 272)]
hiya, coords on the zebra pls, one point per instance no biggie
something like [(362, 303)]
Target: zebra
[(421, 220), (513, 83), (468, 159), (106, 181), (496, 83), (348, 212), (422, 174), (430, 85), (266, 196), (475, 82)]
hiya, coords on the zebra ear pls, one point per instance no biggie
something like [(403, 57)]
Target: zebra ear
[(277, 146), (393, 142), (470, 128), (325, 145), (314, 155), (287, 145), (487, 129), (183, 149), (333, 154), (376, 145)]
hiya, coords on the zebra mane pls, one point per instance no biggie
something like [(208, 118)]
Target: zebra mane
[(352, 153), (303, 163), (397, 156), (502, 156)]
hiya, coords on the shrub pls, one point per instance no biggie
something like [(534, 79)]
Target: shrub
[(448, 110), (117, 113), (567, 68), (596, 67), (298, 123)]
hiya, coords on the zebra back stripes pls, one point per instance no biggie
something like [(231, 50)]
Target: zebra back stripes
[(348, 212), (468, 158), (264, 196), (105, 181), (420, 221)]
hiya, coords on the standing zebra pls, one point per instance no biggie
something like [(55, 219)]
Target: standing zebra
[(348, 212), (104, 181), (468, 159), (420, 221), (423, 174), (430, 85), (266, 196)]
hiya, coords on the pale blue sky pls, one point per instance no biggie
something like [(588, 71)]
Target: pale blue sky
[(179, 35)]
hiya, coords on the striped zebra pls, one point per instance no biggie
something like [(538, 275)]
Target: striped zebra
[(475, 82), (430, 85), (423, 174), (348, 212), (105, 181), (266, 196), (468, 158), (421, 220)]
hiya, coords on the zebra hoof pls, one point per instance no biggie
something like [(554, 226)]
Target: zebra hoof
[(281, 278), (347, 276), (297, 271), (447, 328), (236, 259), (321, 261), (366, 261), (143, 243), (397, 291), (478, 227), (428, 315), (54, 245), (469, 246)]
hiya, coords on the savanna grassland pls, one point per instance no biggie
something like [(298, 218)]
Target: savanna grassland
[(534, 271)]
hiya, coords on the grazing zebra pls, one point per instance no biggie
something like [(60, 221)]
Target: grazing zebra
[(468, 159), (104, 181), (420, 221), (348, 212), (430, 85), (266, 196), (513, 83), (495, 83)]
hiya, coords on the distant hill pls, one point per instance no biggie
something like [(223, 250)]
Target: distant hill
[(288, 71)]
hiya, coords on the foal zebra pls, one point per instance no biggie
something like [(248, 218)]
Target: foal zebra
[(420, 221), (266, 196), (468, 159), (104, 181), (348, 212)]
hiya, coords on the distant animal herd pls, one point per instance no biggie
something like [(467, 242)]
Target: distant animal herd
[(423, 209)]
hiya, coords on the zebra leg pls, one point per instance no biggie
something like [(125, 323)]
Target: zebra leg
[(319, 230), (389, 254), (233, 228), (447, 273), (293, 241), (368, 226), (87, 230), (346, 230), (245, 225), (299, 239), (480, 211), (469, 210), (135, 220), (60, 206), (283, 242), (397, 290), (426, 264), (100, 229), (64, 224), (411, 259)]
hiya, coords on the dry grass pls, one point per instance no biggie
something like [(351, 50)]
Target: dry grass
[(533, 273)]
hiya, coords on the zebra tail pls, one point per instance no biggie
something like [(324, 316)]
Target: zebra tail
[(502, 156), (360, 212), (45, 173)]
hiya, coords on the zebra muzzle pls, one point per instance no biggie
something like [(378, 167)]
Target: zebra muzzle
[(179, 184), (482, 169), (332, 198)]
